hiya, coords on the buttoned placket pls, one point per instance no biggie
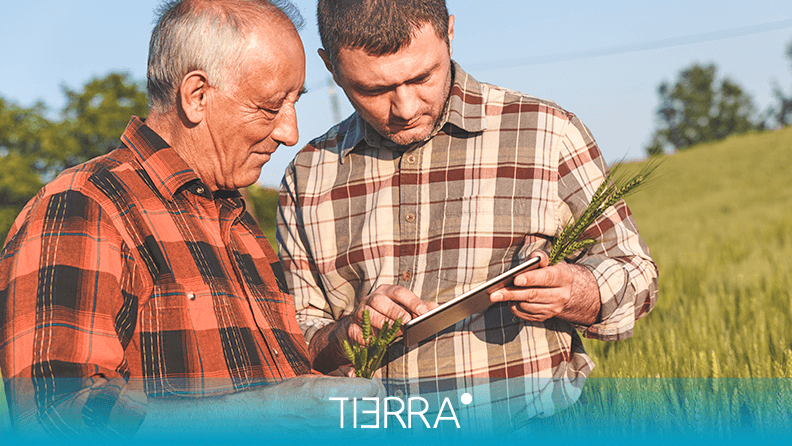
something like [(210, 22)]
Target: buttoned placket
[(230, 216), (409, 216)]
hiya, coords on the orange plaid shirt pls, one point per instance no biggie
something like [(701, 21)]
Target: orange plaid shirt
[(128, 267)]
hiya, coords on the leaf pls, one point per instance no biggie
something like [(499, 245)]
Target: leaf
[(366, 359), (608, 193)]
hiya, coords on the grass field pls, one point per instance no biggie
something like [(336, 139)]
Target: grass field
[(718, 221)]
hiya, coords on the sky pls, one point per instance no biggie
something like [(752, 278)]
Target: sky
[(601, 60)]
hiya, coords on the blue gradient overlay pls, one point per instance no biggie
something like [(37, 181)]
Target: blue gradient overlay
[(609, 411)]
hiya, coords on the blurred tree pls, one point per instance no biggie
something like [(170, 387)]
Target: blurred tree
[(21, 131), (698, 108), (95, 117), (781, 114), (34, 149), (263, 205)]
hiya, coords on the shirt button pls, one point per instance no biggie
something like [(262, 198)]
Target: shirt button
[(399, 394), (410, 217), (191, 295), (199, 190), (411, 159), (407, 276), (275, 352)]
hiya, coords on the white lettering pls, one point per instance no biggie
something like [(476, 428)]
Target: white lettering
[(354, 413), (341, 411), (396, 414), (440, 414), (375, 412), (416, 406), (411, 412)]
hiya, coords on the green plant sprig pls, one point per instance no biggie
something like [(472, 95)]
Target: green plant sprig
[(366, 358), (607, 194)]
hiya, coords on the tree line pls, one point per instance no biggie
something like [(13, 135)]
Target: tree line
[(34, 147), (699, 107)]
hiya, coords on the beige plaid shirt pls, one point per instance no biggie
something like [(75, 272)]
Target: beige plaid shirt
[(497, 180)]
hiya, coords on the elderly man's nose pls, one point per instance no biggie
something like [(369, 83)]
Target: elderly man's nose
[(286, 131)]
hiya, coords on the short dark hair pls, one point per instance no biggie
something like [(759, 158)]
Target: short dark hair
[(377, 26)]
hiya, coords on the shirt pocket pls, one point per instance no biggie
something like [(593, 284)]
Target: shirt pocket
[(183, 342), (484, 236)]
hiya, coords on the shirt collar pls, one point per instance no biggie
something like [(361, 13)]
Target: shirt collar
[(164, 166), (463, 109)]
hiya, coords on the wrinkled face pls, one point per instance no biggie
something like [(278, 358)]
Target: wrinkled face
[(402, 94), (254, 114)]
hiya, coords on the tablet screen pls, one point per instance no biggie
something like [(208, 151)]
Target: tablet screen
[(460, 307)]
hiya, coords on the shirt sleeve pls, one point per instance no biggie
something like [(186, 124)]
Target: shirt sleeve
[(302, 276), (620, 261), (67, 314)]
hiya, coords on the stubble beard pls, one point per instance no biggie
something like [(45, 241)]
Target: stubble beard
[(437, 116)]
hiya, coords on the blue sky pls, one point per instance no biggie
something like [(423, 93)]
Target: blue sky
[(601, 60)]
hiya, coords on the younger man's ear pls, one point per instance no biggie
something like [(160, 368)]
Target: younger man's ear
[(193, 95), (451, 34), (325, 59), (328, 64)]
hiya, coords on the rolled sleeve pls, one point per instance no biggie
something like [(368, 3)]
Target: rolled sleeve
[(620, 261), (627, 293)]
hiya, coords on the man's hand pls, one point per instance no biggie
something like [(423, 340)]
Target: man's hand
[(567, 291), (386, 304)]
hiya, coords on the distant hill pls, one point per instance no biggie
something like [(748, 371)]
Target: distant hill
[(718, 221), (736, 185)]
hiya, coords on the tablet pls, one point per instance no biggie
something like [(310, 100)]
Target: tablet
[(462, 306)]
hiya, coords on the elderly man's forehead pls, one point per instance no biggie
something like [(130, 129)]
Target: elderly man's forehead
[(245, 14)]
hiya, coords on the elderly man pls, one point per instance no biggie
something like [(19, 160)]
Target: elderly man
[(436, 183), (139, 274)]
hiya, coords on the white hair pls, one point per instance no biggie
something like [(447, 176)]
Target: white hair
[(204, 35)]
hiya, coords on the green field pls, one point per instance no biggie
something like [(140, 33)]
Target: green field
[(718, 221)]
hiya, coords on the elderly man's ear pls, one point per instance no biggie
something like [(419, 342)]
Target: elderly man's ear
[(193, 95)]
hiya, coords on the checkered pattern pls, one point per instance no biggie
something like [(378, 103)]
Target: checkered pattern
[(128, 267), (498, 180)]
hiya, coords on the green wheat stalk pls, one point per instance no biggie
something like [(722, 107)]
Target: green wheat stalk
[(607, 194), (366, 358)]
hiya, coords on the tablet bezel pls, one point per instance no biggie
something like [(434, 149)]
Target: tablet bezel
[(462, 306)]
